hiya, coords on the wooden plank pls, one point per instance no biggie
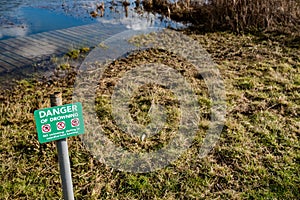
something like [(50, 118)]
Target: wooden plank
[(75, 33), (50, 35), (61, 43), (86, 27), (40, 45), (12, 65), (85, 39), (70, 39), (37, 51), (17, 52), (107, 28), (61, 48), (23, 50), (91, 33), (96, 29), (75, 40), (16, 63), (2, 70), (69, 44), (16, 43), (14, 55), (22, 42), (95, 37), (7, 47), (7, 66), (73, 37), (84, 30)]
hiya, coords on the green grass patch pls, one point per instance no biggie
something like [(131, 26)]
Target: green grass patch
[(256, 157)]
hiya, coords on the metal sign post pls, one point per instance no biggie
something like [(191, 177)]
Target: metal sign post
[(63, 156), (56, 124)]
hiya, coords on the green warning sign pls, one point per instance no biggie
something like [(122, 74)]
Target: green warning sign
[(59, 122)]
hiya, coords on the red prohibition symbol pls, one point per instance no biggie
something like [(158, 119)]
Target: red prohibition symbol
[(75, 122), (60, 125), (46, 128)]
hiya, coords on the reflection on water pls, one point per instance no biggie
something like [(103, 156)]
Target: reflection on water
[(24, 17), (41, 20)]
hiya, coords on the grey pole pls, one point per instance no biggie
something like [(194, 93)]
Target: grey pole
[(63, 156)]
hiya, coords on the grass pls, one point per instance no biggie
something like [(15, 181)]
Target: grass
[(257, 156)]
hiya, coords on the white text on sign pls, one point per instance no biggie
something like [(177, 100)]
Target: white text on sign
[(58, 111)]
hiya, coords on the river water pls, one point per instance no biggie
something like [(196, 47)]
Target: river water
[(25, 17)]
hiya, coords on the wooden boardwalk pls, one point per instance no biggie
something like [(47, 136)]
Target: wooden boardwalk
[(16, 53)]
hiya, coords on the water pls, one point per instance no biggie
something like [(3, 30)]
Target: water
[(25, 17)]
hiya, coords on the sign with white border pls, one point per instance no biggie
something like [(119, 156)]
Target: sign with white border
[(59, 122)]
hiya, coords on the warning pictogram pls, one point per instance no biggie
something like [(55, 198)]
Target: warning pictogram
[(75, 122), (46, 128), (61, 125)]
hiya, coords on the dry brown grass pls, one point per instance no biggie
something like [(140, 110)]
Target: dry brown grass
[(234, 15)]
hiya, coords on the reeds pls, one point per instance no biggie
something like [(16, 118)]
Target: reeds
[(245, 15), (236, 15)]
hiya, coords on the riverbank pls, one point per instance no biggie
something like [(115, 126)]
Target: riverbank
[(257, 155)]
